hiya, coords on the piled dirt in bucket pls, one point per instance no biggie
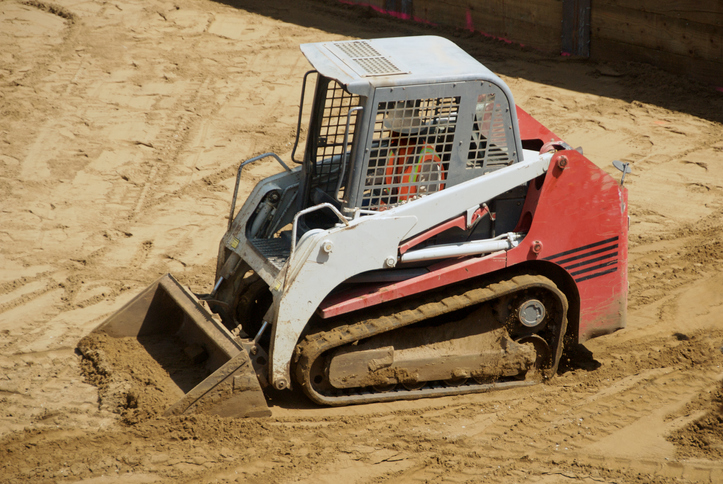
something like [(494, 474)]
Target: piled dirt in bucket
[(137, 378)]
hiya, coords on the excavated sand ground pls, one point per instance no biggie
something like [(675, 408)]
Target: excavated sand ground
[(122, 124)]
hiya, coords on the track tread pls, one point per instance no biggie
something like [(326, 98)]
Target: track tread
[(378, 320)]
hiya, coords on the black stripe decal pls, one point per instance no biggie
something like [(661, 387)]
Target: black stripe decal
[(588, 254), (613, 255), (593, 276), (594, 268), (579, 249)]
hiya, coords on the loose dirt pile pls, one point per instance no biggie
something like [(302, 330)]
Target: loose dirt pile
[(122, 125), (133, 383)]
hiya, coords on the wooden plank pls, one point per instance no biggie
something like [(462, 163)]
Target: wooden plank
[(533, 35), (377, 5), (440, 13), (489, 17), (656, 32), (536, 23), (576, 27), (545, 12), (402, 8), (531, 22), (709, 12)]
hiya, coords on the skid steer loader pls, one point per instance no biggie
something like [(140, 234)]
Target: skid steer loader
[(434, 239)]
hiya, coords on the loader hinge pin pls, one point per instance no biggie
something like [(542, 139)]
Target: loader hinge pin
[(258, 336), (218, 283)]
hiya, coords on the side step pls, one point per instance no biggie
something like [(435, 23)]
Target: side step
[(168, 312)]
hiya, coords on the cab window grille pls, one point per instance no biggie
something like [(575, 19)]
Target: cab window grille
[(490, 144), (412, 146), (325, 151)]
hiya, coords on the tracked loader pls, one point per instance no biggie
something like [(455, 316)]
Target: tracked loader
[(433, 239)]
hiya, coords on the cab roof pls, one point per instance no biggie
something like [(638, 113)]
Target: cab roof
[(364, 65)]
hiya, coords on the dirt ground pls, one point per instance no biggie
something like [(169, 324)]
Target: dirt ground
[(122, 124)]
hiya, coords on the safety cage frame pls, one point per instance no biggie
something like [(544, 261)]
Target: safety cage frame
[(355, 156)]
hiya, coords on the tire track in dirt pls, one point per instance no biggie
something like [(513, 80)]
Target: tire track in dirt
[(388, 444), (253, 130), (674, 258), (29, 376), (48, 142), (26, 293), (560, 424), (172, 138), (516, 433), (61, 67)]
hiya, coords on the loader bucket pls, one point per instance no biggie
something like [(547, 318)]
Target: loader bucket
[(223, 381)]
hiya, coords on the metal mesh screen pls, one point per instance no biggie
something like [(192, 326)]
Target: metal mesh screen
[(413, 142), (328, 152), (489, 147), (357, 49)]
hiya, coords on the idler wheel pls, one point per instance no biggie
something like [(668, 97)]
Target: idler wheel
[(413, 385), (455, 382), (531, 313), (541, 348)]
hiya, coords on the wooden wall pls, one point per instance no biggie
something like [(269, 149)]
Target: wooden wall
[(528, 22), (681, 36)]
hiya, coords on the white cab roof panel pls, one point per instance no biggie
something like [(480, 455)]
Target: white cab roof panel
[(364, 65)]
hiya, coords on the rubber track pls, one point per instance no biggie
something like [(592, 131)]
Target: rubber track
[(380, 320)]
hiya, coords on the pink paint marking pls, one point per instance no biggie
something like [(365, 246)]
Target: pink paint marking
[(490, 36), (391, 13)]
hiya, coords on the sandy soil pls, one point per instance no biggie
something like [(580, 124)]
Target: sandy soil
[(122, 124)]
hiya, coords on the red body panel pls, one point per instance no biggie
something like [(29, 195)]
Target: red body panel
[(580, 223), (576, 219), (441, 274), (459, 222), (530, 128), (580, 219)]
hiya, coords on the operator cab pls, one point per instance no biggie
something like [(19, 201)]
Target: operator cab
[(398, 119)]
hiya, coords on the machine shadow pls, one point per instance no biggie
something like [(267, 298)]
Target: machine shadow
[(626, 81), (577, 357)]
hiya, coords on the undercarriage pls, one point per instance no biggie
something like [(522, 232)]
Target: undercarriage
[(464, 339)]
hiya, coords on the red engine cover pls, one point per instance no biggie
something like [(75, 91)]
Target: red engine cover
[(578, 220)]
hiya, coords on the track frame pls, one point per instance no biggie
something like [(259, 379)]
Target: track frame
[(409, 311)]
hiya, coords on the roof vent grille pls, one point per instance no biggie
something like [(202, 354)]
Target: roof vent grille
[(371, 61)]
